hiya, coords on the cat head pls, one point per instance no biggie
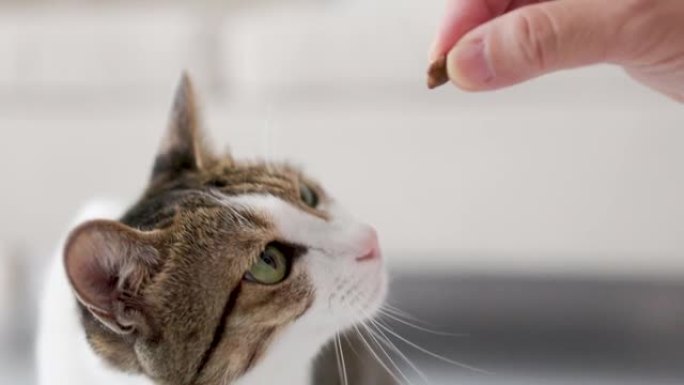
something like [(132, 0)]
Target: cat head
[(220, 265)]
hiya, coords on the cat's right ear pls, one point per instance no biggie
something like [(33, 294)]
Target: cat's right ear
[(108, 264), (183, 148)]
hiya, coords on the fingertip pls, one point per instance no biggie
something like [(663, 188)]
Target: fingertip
[(434, 53), (468, 66), (460, 17)]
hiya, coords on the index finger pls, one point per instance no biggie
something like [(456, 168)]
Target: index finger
[(464, 15)]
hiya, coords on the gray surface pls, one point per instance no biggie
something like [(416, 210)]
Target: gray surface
[(548, 331), (523, 331)]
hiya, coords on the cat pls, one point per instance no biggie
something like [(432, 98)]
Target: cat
[(223, 273)]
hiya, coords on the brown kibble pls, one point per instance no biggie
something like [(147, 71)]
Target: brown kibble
[(437, 73)]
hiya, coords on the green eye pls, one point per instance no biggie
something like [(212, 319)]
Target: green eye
[(308, 196), (271, 267)]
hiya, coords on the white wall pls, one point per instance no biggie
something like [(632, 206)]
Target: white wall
[(582, 172)]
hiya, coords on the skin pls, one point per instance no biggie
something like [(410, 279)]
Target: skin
[(492, 44)]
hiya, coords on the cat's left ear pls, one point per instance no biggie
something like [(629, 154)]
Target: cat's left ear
[(108, 265), (183, 148)]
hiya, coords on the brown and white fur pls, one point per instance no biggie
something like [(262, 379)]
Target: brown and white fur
[(157, 294)]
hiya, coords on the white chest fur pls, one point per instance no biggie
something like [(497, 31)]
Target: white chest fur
[(63, 354), (289, 357)]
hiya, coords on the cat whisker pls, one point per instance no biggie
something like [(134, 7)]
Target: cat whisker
[(366, 317), (337, 357), (344, 366), (430, 353), (385, 313), (380, 361), (379, 333), (374, 337), (349, 343), (393, 308), (402, 314)]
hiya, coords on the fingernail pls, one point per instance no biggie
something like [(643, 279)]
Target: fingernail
[(434, 54), (469, 65)]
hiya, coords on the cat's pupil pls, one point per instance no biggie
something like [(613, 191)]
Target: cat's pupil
[(308, 196), (269, 261)]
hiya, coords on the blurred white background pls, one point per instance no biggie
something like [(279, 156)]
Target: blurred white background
[(576, 174), (579, 172)]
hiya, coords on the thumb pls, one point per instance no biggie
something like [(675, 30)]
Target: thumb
[(533, 40)]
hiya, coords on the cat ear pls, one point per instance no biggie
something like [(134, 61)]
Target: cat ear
[(107, 264), (182, 149)]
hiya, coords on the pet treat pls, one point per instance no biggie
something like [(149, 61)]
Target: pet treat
[(437, 73)]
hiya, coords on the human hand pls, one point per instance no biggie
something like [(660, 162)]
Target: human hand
[(490, 44)]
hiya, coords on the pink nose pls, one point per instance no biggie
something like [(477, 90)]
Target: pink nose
[(371, 247)]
